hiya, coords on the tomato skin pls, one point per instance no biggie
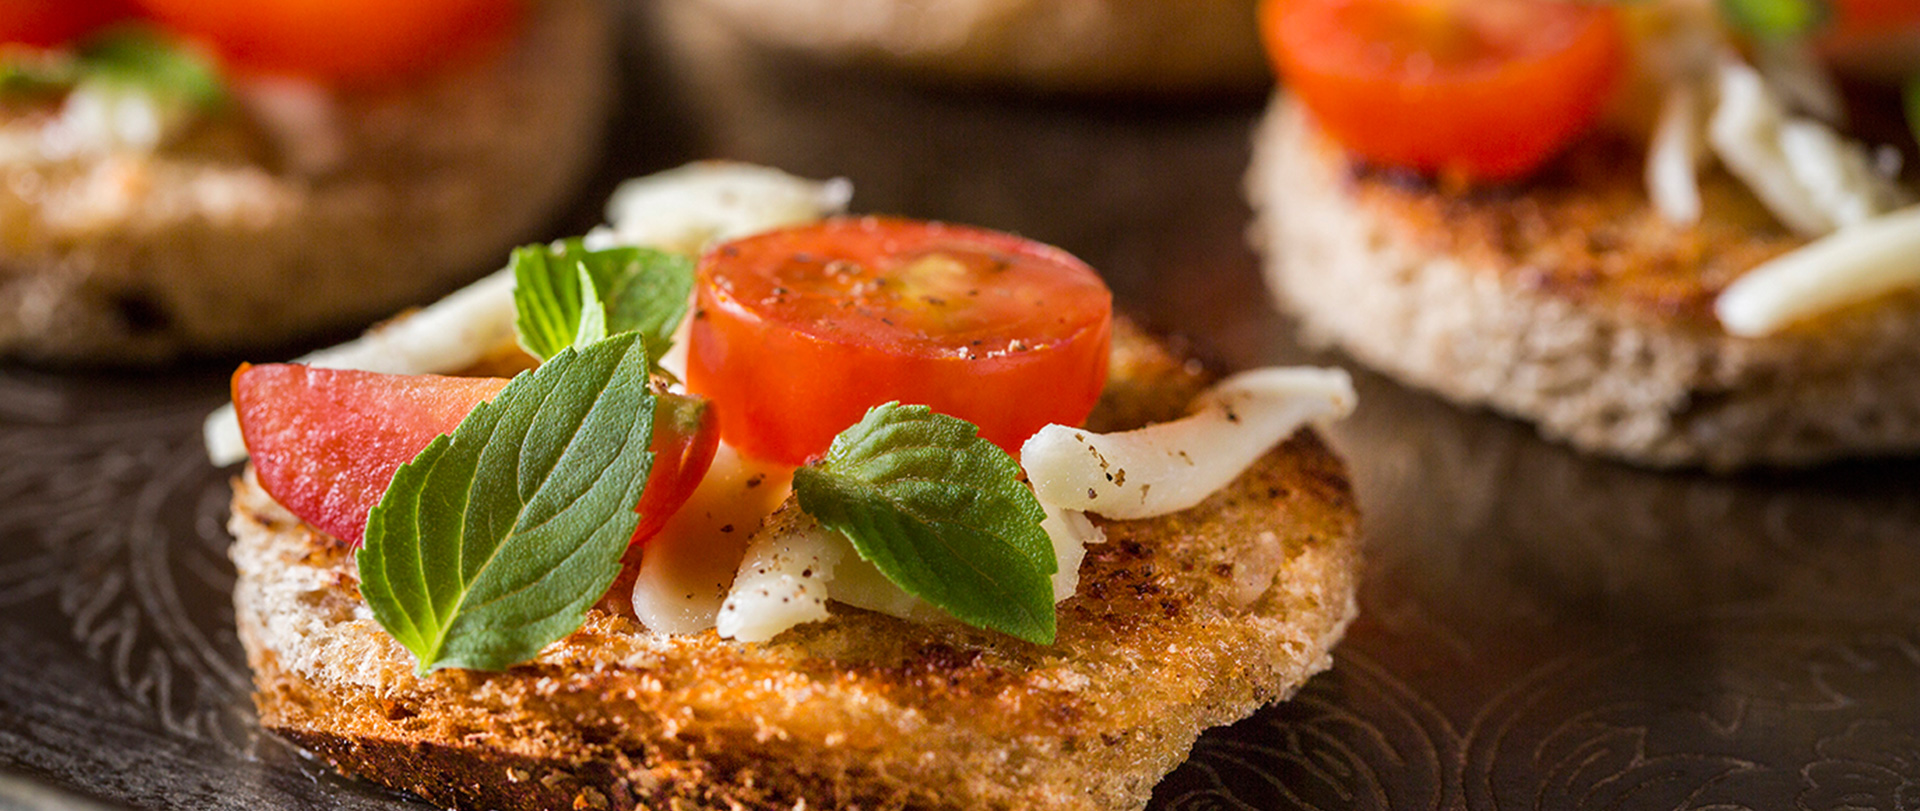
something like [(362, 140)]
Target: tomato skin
[(48, 23), (1488, 90), (686, 433), (797, 332), (325, 443), (345, 41)]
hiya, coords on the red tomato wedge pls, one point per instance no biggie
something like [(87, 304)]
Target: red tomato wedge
[(326, 442), (47, 23), (797, 332), (349, 41), (1481, 89)]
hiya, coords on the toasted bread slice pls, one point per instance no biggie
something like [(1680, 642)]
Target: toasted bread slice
[(228, 242), (1073, 46), (1569, 302), (1181, 623)]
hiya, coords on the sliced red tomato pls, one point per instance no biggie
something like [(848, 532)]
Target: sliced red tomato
[(797, 332), (1482, 89), (353, 41), (326, 442), (46, 23), (1876, 16), (1874, 39)]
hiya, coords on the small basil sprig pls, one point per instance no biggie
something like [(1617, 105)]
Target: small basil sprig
[(494, 541), (1777, 19), (940, 512), (567, 295), (130, 56)]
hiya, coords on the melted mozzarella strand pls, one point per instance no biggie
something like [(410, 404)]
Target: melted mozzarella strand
[(719, 201), (1851, 266), (1172, 466)]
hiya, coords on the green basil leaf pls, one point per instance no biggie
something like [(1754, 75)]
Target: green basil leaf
[(637, 289), (940, 512), (593, 314), (495, 540), (128, 55), (142, 57), (23, 75), (1777, 19)]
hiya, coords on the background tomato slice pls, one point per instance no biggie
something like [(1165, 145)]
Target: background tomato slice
[(46, 23), (325, 442), (353, 41), (1486, 89), (796, 333)]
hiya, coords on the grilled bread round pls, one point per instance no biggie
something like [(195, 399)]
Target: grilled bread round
[(1181, 623), (131, 258), (1087, 46), (1569, 302)]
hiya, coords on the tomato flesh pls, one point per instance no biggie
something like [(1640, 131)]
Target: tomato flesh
[(47, 23), (325, 443), (1483, 89), (797, 332), (349, 41)]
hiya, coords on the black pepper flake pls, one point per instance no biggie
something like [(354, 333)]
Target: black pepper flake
[(726, 527), (1091, 494)]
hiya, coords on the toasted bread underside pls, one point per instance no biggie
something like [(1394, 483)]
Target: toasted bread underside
[(1181, 623), (141, 258), (1569, 302)]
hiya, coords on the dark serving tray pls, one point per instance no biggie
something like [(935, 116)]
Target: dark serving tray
[(1538, 630)]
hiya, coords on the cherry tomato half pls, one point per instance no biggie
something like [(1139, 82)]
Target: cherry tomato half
[(352, 41), (1486, 89), (1874, 39), (325, 442), (47, 23), (796, 333)]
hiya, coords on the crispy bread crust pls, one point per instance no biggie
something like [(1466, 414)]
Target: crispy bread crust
[(126, 259), (1570, 303), (1182, 623), (1086, 46)]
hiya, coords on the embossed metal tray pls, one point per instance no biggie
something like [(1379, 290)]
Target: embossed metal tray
[(1538, 630)]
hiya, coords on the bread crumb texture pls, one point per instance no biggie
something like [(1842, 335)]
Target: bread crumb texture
[(223, 241), (1568, 301), (1182, 623)]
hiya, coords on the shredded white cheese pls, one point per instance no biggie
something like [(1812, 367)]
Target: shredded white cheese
[(1174, 465), (689, 567), (1673, 157), (1810, 177), (1851, 266), (686, 208), (1745, 133), (1794, 72), (794, 567), (716, 201)]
